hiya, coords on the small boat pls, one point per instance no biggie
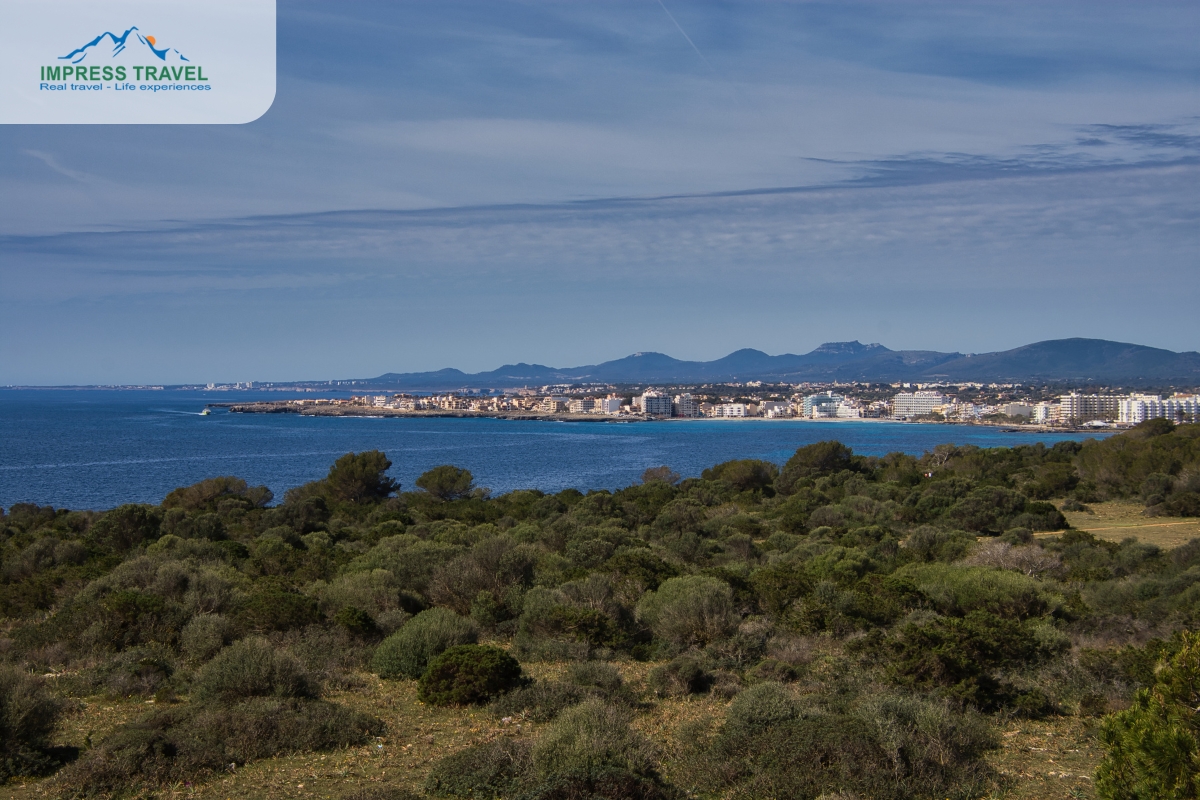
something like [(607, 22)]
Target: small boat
[(206, 412)]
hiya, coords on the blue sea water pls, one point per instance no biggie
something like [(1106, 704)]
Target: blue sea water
[(100, 448)]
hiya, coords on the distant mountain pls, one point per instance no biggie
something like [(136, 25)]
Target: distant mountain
[(1060, 360)]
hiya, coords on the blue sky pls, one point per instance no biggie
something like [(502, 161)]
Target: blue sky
[(468, 184)]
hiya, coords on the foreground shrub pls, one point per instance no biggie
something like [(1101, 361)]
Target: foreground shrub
[(1154, 747), (204, 636), (407, 652), (588, 739), (191, 742), (253, 668), (679, 677), (28, 715), (468, 674), (689, 611), (380, 793), (538, 702), (496, 769), (889, 748)]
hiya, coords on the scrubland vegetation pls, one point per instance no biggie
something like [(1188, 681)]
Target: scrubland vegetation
[(847, 626)]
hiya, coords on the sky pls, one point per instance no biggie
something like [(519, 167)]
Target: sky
[(469, 184)]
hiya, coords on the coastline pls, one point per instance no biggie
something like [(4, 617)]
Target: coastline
[(286, 407)]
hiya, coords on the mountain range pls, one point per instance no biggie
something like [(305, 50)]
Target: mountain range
[(1072, 361)]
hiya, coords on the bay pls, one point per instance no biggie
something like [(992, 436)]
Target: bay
[(96, 449)]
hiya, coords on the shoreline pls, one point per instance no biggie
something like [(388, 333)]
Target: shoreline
[(286, 407)]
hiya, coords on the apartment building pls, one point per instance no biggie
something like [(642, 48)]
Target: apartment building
[(1076, 408), (685, 405), (655, 404), (1141, 407), (917, 404)]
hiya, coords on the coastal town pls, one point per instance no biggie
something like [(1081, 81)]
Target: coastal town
[(1006, 405)]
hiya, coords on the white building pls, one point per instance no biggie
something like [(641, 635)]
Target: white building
[(775, 409), (556, 404), (1045, 413), (916, 404), (685, 406), (1016, 409), (848, 410), (1141, 407), (655, 404), (1077, 408), (379, 401), (817, 406), (584, 405), (608, 405), (730, 410)]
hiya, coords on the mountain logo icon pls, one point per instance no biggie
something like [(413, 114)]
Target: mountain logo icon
[(131, 42)]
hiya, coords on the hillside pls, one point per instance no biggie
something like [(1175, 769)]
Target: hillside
[(1077, 361)]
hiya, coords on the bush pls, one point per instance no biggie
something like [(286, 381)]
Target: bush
[(496, 769), (204, 636), (596, 675), (758, 708), (28, 716), (538, 702), (193, 741), (380, 793), (588, 740), (468, 674), (253, 668), (407, 652), (1153, 748), (689, 611), (679, 677)]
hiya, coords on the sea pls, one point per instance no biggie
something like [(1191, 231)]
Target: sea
[(99, 448)]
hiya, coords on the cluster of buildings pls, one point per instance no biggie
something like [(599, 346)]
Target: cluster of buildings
[(1068, 409)]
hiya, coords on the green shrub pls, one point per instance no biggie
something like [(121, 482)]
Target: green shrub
[(962, 657), (274, 609), (588, 740), (1154, 747), (28, 716), (467, 674), (597, 675), (194, 741), (407, 652), (204, 636), (689, 611), (538, 702), (960, 590), (253, 668), (494, 770), (679, 677), (357, 622), (758, 708)]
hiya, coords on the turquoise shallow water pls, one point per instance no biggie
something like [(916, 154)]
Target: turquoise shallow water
[(98, 449)]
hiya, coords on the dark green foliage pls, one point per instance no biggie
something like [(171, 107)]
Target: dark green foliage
[(1153, 748), (468, 674), (209, 493), (962, 657), (357, 622), (273, 608), (814, 461), (748, 475), (126, 527), (590, 746), (252, 668), (446, 482), (408, 651), (28, 716), (360, 477), (194, 741)]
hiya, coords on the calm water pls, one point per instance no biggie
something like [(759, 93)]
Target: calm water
[(98, 449)]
